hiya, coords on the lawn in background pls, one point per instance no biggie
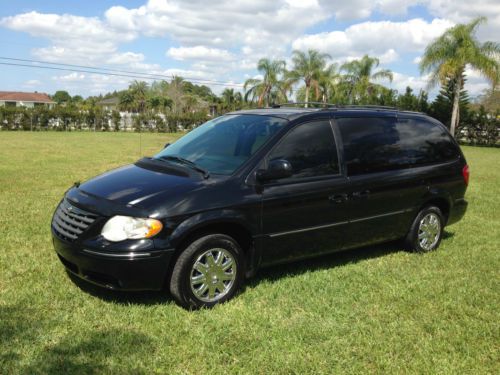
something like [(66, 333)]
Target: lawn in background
[(374, 310)]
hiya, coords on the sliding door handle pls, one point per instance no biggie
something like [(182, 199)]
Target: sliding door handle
[(338, 198), (361, 194)]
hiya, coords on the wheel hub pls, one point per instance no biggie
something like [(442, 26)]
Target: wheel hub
[(429, 231), (213, 275)]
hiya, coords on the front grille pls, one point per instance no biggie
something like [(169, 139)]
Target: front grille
[(69, 222)]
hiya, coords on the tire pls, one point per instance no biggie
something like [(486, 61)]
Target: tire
[(428, 225), (209, 271)]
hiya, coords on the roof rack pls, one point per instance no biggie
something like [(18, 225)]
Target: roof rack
[(332, 105), (293, 104)]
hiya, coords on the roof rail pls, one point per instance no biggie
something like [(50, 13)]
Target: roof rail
[(371, 106), (293, 104), (332, 105)]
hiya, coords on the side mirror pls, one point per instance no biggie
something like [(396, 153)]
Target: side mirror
[(277, 169), (166, 145)]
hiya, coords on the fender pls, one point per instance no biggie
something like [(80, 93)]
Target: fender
[(437, 193), (198, 221)]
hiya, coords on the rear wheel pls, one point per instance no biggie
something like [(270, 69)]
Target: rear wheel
[(209, 271), (426, 230)]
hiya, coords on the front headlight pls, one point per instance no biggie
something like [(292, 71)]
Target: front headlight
[(120, 228)]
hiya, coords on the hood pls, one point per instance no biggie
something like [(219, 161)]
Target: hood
[(133, 184)]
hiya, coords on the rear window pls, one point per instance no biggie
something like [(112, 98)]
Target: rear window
[(378, 144)]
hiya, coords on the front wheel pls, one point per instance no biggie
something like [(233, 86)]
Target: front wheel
[(426, 231), (209, 271)]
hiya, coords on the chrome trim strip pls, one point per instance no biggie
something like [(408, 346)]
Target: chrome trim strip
[(130, 255), (382, 215), (307, 229), (278, 234)]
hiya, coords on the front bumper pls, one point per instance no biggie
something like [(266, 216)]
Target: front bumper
[(125, 270)]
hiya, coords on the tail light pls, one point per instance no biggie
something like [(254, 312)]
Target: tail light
[(465, 174)]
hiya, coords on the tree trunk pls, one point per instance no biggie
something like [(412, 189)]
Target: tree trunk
[(456, 107), (307, 95)]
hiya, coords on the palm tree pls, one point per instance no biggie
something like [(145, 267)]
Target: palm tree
[(270, 87), (447, 57), (231, 99), (175, 91), (360, 75), (307, 67), (228, 99), (126, 100), (328, 82), (139, 90)]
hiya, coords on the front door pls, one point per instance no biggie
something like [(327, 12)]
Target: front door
[(305, 214)]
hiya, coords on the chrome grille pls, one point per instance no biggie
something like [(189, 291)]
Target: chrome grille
[(69, 222)]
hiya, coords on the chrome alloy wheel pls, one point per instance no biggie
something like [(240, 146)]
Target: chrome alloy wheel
[(429, 231), (213, 274)]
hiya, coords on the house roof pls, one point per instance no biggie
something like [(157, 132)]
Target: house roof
[(17, 96)]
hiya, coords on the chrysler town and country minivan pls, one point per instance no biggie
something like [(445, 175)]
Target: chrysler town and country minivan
[(259, 187)]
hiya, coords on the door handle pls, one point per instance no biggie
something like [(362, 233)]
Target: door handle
[(361, 194), (338, 198)]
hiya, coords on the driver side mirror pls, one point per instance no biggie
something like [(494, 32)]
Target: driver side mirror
[(277, 169), (166, 145)]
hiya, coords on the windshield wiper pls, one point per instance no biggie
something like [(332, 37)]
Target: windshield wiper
[(193, 165)]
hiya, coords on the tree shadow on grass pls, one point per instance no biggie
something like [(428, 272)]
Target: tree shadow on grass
[(89, 353), (96, 351)]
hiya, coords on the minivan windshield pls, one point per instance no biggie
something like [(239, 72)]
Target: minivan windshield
[(223, 144)]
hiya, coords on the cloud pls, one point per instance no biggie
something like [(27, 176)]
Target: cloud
[(71, 77), (200, 53), (223, 40), (383, 39), (32, 82)]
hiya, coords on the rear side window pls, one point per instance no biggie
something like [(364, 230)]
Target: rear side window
[(383, 144), (310, 149), (425, 142)]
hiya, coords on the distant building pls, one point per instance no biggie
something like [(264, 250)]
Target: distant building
[(25, 99), (110, 104)]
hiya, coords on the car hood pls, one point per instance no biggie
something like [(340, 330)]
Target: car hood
[(133, 185)]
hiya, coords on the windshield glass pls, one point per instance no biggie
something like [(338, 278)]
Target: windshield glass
[(223, 144)]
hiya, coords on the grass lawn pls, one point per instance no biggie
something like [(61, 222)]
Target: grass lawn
[(375, 310)]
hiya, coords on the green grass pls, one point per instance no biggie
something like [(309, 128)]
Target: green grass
[(375, 310)]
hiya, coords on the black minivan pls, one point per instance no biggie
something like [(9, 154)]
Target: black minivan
[(259, 187)]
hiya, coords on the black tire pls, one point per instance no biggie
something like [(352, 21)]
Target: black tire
[(180, 281), (412, 242)]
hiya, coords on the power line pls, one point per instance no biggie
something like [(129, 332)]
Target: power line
[(115, 70), (110, 73)]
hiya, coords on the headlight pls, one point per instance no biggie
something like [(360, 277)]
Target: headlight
[(120, 228)]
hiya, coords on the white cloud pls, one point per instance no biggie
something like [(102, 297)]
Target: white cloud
[(224, 39), (200, 53), (71, 77), (126, 58), (401, 81), (32, 82), (383, 39)]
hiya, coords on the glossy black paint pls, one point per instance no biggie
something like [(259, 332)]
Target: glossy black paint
[(275, 221)]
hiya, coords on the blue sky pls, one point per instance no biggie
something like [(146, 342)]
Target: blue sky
[(222, 40)]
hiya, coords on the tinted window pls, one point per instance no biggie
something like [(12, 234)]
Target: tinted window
[(310, 149), (223, 144), (382, 144), (425, 142)]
